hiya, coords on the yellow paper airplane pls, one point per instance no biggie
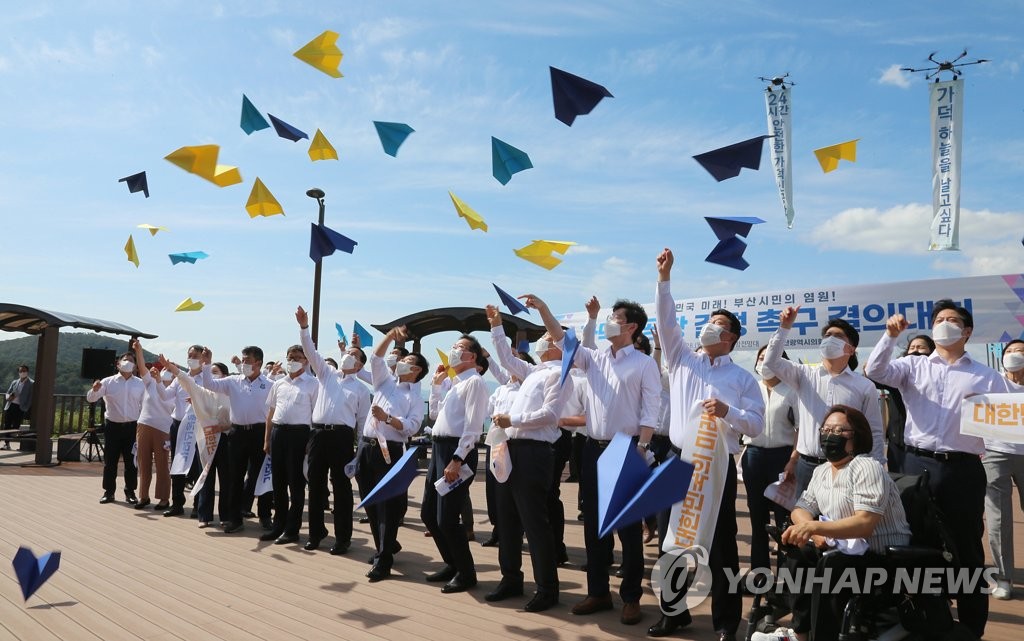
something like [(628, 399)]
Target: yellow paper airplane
[(188, 306), (201, 160), (153, 229), (474, 219), (321, 148), (262, 202), (322, 53), (829, 157), (129, 248), (444, 361), (539, 252)]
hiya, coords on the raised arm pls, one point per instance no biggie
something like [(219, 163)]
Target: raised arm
[(590, 329), (788, 372), (880, 367), (516, 366), (670, 334), (552, 325), (316, 361)]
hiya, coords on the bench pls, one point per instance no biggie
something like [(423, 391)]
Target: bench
[(25, 438)]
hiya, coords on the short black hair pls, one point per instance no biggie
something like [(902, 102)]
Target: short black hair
[(764, 347), (478, 352), (634, 314), (255, 352), (402, 352), (421, 362), (196, 348), (945, 303), (643, 344), (924, 337), (734, 324), (1015, 341), (361, 354), (23, 366), (851, 333), (333, 362), (862, 439), (222, 367), (295, 348)]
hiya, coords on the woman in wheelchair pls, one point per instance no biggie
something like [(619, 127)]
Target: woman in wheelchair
[(850, 497)]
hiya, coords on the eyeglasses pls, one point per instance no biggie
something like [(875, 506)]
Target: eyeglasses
[(615, 321), (836, 429)]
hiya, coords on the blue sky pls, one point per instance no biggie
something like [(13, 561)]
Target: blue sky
[(94, 91)]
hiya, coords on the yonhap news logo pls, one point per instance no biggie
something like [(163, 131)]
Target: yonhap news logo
[(681, 579)]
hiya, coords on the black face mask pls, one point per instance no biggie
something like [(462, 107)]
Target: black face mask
[(834, 446)]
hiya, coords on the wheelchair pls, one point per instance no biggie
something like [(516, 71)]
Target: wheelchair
[(882, 614)]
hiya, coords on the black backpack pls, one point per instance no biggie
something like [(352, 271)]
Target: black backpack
[(927, 523)]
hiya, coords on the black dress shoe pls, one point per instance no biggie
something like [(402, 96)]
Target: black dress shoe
[(285, 539), (669, 624), (130, 498), (447, 573), (491, 542), (618, 572), (107, 498), (144, 503), (339, 548), (311, 544), (563, 557), (378, 573), (233, 526), (459, 584), (372, 560), (267, 524), (177, 510), (726, 636), (161, 506), (270, 536), (542, 601), (248, 515), (364, 519), (504, 591)]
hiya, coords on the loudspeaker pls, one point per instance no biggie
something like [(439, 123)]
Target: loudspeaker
[(97, 363)]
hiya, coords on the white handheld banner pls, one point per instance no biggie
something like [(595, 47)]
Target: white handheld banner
[(946, 100), (264, 483), (998, 417), (207, 441), (777, 103), (183, 448)]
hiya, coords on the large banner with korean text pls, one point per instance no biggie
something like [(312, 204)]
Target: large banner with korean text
[(945, 103), (999, 417), (996, 302), (777, 103)]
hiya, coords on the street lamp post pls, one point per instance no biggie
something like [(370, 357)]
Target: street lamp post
[(318, 194)]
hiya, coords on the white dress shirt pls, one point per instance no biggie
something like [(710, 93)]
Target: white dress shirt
[(817, 390), (292, 399), (156, 412), (538, 405), (247, 398), (665, 415), (694, 378), (401, 400), (624, 390), (123, 397), (576, 403), (501, 398), (341, 399), (932, 390), (461, 411), (179, 395), (780, 417)]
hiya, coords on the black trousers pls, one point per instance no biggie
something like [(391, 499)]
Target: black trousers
[(441, 513), (661, 447), (118, 441), (576, 454), (761, 468), (218, 476), (384, 517), (287, 451), (13, 417), (522, 507), (490, 488), (245, 460), (599, 550), (330, 450), (178, 481), (561, 453), (726, 606), (959, 490)]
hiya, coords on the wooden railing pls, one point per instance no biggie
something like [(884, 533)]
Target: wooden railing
[(72, 413)]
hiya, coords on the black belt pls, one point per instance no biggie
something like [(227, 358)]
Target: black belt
[(376, 442), (109, 422), (291, 425), (676, 450), (942, 457), (250, 426), (813, 459), (519, 442), (328, 426), (446, 439), (602, 444)]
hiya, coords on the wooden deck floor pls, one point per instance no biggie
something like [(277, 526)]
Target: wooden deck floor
[(128, 574)]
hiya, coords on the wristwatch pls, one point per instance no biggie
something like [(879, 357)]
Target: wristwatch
[(645, 446)]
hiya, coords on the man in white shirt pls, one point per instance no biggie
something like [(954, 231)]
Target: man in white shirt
[(342, 403), (395, 415), (289, 417), (711, 380), (818, 387), (459, 417), (122, 394), (624, 395), (932, 388)]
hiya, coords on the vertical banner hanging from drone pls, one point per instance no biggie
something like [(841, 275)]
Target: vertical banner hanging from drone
[(777, 102), (946, 105)]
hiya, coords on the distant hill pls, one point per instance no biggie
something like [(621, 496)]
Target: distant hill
[(69, 358)]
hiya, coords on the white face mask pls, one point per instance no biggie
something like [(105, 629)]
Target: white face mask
[(194, 363), (216, 374), (126, 366), (349, 362), (711, 335), (611, 330), (542, 346), (294, 367), (764, 372), (946, 333), (1012, 361), (247, 369), (832, 347), (390, 360), (455, 356), (402, 368), (166, 376)]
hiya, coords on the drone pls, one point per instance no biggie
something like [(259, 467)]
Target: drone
[(952, 66), (776, 81)]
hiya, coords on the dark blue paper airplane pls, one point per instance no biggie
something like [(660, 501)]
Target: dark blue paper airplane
[(136, 183), (395, 482), (510, 301), (285, 130), (32, 572), (323, 241), (574, 96), (570, 344), (726, 162), (729, 250)]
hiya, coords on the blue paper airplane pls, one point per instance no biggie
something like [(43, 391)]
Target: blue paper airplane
[(570, 344), (729, 250), (252, 119), (726, 162), (392, 135), (507, 160), (510, 301), (628, 491), (341, 332), (574, 96), (285, 130), (187, 257), (33, 573), (365, 337), (136, 183), (395, 482), (323, 241)]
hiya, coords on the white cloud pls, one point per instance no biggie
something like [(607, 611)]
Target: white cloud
[(583, 249), (893, 75)]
